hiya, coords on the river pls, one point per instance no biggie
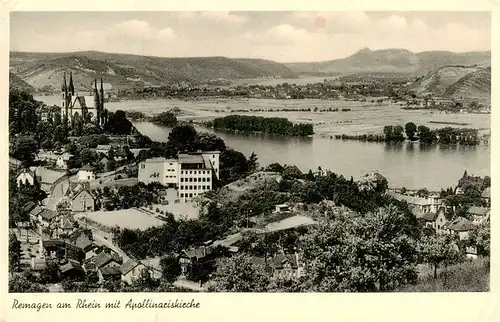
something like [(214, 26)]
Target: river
[(407, 165), (404, 165)]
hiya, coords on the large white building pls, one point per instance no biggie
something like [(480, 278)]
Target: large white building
[(190, 173)]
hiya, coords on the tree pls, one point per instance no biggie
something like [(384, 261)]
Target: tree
[(20, 283), (292, 172), (480, 238), (439, 250), (171, 268), (182, 138), (238, 274), (24, 148), (118, 123), (398, 133), (424, 193), (253, 163), (410, 130), (233, 165), (209, 142), (371, 253), (165, 119), (275, 167), (14, 252), (388, 132)]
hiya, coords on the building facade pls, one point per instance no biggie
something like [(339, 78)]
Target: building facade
[(89, 108), (191, 173)]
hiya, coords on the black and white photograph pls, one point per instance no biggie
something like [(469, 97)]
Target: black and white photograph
[(249, 151)]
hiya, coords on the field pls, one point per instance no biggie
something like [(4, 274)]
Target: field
[(125, 218)]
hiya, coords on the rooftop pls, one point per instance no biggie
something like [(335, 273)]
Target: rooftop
[(128, 266), (481, 211), (190, 158)]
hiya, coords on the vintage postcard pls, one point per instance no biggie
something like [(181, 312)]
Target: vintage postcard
[(170, 163)]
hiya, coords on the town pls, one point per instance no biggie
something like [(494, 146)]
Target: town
[(97, 206)]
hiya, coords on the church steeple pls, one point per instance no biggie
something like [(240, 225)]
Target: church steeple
[(97, 103), (64, 87), (102, 96), (71, 87)]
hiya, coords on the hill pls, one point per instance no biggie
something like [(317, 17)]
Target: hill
[(125, 71), (18, 83), (392, 60), (473, 85), (437, 81)]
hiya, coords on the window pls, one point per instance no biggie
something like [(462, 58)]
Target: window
[(190, 172), (190, 195), (190, 179), (208, 179), (190, 187), (182, 195), (195, 187), (182, 179), (143, 166)]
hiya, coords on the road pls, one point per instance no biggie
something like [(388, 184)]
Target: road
[(57, 194)]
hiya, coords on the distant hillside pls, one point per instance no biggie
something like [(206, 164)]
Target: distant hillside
[(436, 82), (473, 85), (121, 70), (392, 60), (18, 83)]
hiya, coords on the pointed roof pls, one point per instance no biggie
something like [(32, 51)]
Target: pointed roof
[(486, 193), (64, 86), (71, 87), (128, 266)]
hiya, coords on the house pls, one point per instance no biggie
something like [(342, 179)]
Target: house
[(66, 225), (187, 258), (62, 161), (131, 271), (55, 249), (283, 265), (119, 154), (478, 214), (104, 162), (86, 173), (459, 227), (27, 177), (436, 220), (190, 173), (72, 270), (282, 208), (486, 196), (47, 216), (83, 201), (109, 273), (105, 259), (34, 214), (82, 238), (425, 205)]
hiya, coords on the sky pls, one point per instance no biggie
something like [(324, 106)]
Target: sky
[(279, 36)]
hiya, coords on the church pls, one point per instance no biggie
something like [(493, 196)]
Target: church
[(88, 108)]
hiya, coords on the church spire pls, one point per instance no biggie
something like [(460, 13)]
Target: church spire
[(97, 103), (64, 87), (102, 96), (71, 87)]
